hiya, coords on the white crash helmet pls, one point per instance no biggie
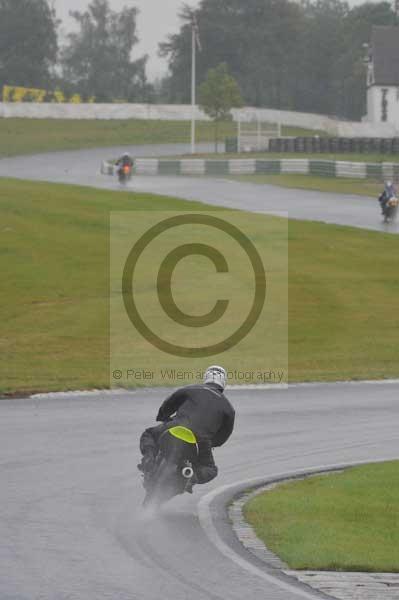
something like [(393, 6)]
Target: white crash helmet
[(216, 375)]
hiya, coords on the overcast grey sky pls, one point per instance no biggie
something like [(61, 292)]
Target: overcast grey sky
[(157, 19)]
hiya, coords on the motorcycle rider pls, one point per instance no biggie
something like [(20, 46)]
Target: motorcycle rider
[(388, 193), (124, 161), (202, 408)]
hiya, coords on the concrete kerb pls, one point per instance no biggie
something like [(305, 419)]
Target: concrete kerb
[(221, 520)]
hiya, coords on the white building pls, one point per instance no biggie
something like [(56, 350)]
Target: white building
[(383, 76)]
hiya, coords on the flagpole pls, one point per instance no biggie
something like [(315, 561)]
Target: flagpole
[(193, 84)]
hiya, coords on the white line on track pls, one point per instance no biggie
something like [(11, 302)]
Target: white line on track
[(244, 388)]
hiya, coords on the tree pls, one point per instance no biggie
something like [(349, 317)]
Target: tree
[(218, 94), (287, 54), (257, 39), (97, 59), (322, 46), (28, 42)]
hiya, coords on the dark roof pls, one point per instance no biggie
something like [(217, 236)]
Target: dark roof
[(385, 54)]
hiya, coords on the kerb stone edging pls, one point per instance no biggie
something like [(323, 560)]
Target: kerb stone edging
[(340, 585)]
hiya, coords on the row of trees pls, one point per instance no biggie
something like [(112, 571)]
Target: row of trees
[(95, 61), (301, 55), (290, 54), (28, 42)]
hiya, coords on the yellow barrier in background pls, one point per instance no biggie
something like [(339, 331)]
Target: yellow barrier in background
[(23, 94)]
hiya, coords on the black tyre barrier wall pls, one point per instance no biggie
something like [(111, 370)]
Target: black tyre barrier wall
[(331, 145)]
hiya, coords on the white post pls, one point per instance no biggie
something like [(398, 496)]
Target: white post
[(193, 84)]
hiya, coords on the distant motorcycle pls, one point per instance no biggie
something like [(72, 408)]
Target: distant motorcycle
[(390, 210), (173, 471), (124, 174)]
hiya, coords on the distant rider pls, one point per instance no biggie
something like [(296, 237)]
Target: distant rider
[(202, 408), (388, 193), (125, 161)]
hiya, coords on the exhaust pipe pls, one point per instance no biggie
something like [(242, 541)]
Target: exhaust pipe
[(187, 473)]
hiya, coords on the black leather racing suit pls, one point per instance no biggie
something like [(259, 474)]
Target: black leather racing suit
[(124, 161), (388, 193), (206, 411)]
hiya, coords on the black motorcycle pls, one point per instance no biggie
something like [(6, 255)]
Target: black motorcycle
[(173, 471), (124, 174), (390, 210)]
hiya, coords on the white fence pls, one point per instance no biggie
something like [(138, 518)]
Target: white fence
[(31, 110), (255, 135), (181, 112)]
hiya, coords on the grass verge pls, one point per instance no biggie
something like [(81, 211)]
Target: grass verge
[(360, 187), (344, 156), (346, 521), (29, 136), (54, 257)]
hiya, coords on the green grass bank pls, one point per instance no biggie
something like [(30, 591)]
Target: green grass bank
[(54, 257), (30, 136), (338, 522), (334, 156)]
